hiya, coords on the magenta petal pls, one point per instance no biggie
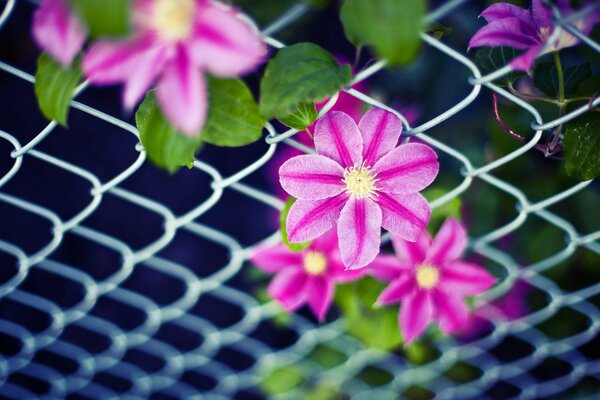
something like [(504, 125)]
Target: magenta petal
[(225, 42), (359, 232), (271, 259), (397, 290), (320, 296), (386, 267), (311, 177), (541, 14), (338, 137), (408, 168), (466, 279), (309, 219), (181, 94), (380, 130), (412, 253), (143, 74), (448, 244), (505, 32), (525, 61), (288, 287), (405, 215), (506, 10), (416, 312), (58, 31), (451, 311)]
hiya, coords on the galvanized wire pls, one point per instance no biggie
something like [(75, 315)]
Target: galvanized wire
[(201, 359)]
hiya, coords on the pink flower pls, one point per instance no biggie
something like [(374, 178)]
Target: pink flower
[(359, 181), (430, 280), (174, 42), (307, 277), (512, 26), (58, 31)]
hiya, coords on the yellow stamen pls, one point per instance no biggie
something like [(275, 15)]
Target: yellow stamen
[(427, 276), (360, 181), (173, 19), (315, 263)]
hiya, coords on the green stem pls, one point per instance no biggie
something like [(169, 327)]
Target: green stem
[(561, 79)]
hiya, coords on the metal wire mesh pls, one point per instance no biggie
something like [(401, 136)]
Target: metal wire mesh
[(239, 336)]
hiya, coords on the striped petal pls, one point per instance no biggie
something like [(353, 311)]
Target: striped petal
[(337, 137), (451, 311), (288, 287), (380, 130), (320, 296), (397, 290), (509, 32), (466, 279), (416, 312), (412, 253), (407, 169), (387, 267), (309, 219), (405, 215), (449, 243), (311, 177), (359, 232), (272, 259)]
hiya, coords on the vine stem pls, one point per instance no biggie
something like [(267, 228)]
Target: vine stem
[(561, 79), (553, 146)]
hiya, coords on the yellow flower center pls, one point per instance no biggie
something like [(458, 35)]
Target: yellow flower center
[(544, 33), (173, 19), (427, 276), (315, 263), (360, 181)]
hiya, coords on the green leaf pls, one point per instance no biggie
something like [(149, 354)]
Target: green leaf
[(582, 146), (233, 118), (391, 27), (356, 301), (55, 86), (304, 116), (104, 17), (301, 73), (545, 77), (166, 147), (490, 59), (281, 380), (283, 229)]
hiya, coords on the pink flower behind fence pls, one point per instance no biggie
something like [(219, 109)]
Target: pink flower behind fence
[(173, 43), (430, 281), (307, 277), (512, 26), (361, 182)]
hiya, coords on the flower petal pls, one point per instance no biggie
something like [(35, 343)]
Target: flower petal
[(58, 31), (397, 290), (541, 14), (273, 258), (338, 137), (449, 243), (525, 61), (386, 267), (506, 10), (309, 219), (224, 42), (451, 311), (412, 253), (359, 232), (311, 177), (181, 94), (288, 287), (405, 215), (466, 279), (505, 32), (380, 130), (408, 168), (320, 296), (416, 312)]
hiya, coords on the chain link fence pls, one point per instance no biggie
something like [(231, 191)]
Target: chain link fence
[(144, 356)]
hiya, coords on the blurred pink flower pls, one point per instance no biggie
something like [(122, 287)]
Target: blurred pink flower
[(307, 277), (174, 43), (58, 31), (512, 26), (361, 182), (430, 281)]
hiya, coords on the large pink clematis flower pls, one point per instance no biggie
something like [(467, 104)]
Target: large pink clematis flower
[(174, 42), (58, 31), (512, 26), (430, 281), (307, 277), (359, 181)]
